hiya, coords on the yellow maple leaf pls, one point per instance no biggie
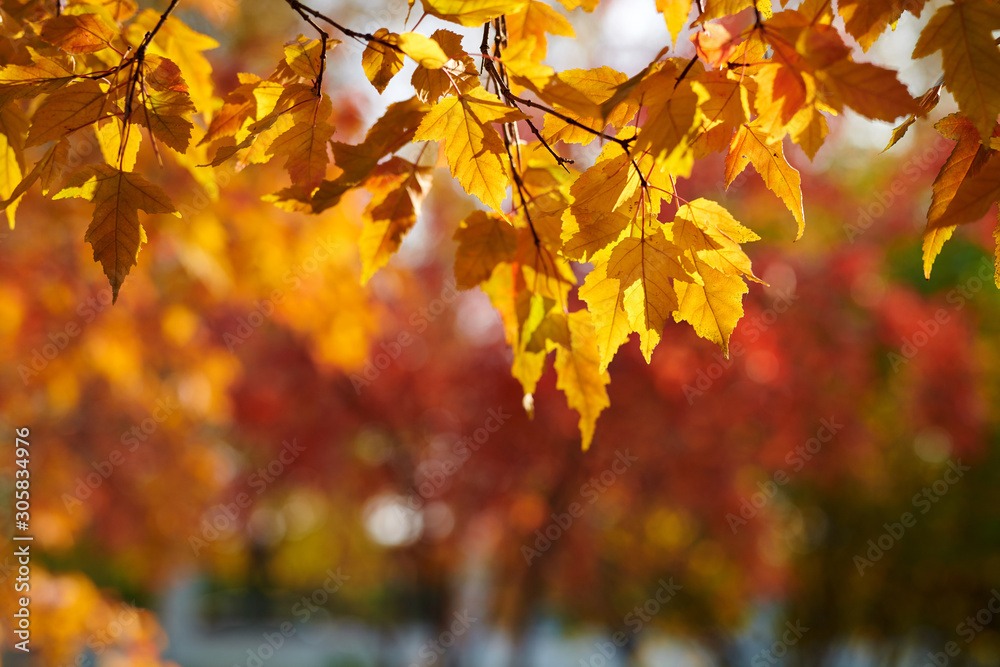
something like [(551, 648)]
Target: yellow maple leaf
[(751, 146), (422, 49), (484, 241), (710, 236), (472, 13), (474, 150), (644, 268), (381, 62), (964, 161), (579, 376), (535, 21), (865, 20), (398, 188), (115, 232), (13, 125), (67, 110), (305, 144), (963, 32), (675, 13), (606, 304), (458, 72), (80, 33)]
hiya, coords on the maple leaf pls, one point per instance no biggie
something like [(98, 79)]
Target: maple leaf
[(164, 104), (422, 49), (926, 103), (711, 236), (870, 90), (42, 75), (80, 33), (180, 44), (715, 9), (304, 144), (865, 20), (674, 107), (472, 13), (13, 126), (972, 199), (675, 13), (963, 32), (115, 232), (965, 160), (485, 240), (67, 110), (398, 188), (458, 72), (606, 304), (381, 62), (389, 133), (751, 146), (726, 108), (583, 94), (535, 21), (601, 208), (644, 268), (579, 375), (474, 150)]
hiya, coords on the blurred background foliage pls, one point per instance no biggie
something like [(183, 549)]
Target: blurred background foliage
[(196, 379)]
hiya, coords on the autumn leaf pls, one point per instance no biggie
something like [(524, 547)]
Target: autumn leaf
[(963, 32), (715, 9), (68, 110), (484, 241), (711, 236), (80, 33), (458, 72), (965, 160), (579, 376), (304, 145), (475, 152), (536, 21), (13, 126), (388, 134), (865, 20), (751, 146), (675, 13), (398, 188), (422, 49), (115, 232), (471, 13), (381, 62), (645, 268), (601, 209), (180, 44)]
